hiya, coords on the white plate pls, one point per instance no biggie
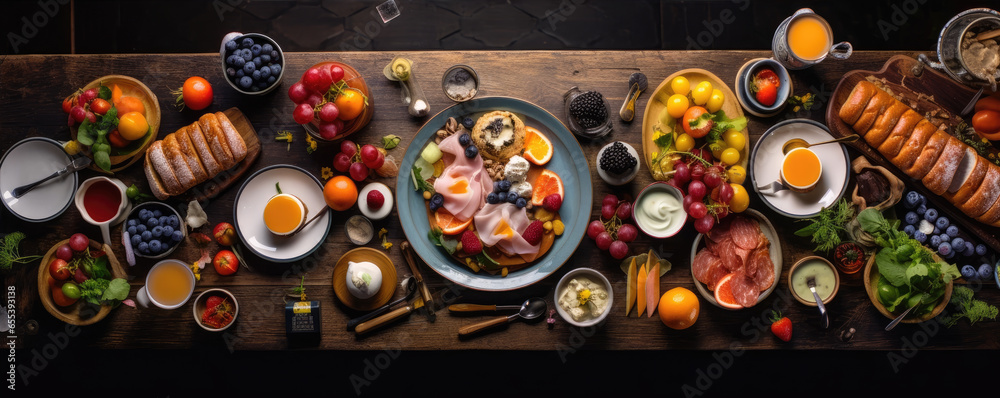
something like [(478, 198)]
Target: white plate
[(765, 164), (253, 196), (30, 160)]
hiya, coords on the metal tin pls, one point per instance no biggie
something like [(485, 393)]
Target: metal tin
[(950, 42)]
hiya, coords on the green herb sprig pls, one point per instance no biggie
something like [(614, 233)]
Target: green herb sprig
[(968, 307), (826, 227), (9, 254)]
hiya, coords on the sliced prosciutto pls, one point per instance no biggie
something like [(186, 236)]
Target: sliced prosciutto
[(464, 183), (501, 225)]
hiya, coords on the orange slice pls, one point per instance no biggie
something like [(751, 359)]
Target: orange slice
[(547, 183), (449, 224), (724, 293), (537, 148)]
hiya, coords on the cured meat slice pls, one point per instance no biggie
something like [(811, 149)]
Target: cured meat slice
[(744, 254), (760, 261), (745, 290), (502, 225), (464, 183), (704, 265), (745, 232), (717, 274)]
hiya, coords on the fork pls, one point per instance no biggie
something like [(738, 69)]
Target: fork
[(772, 188)]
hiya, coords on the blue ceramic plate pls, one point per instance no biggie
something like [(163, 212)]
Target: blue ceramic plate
[(568, 161)]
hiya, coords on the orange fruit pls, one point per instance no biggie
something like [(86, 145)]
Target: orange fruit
[(449, 224), (340, 193), (127, 104), (132, 126), (116, 94), (547, 183), (350, 103), (537, 147), (679, 308), (724, 293)]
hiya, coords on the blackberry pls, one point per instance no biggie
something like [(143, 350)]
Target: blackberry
[(617, 159), (588, 109)]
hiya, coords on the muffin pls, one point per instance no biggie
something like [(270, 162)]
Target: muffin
[(499, 135)]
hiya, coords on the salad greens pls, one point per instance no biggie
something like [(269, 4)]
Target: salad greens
[(100, 291), (95, 135), (907, 265), (721, 126), (826, 227), (967, 307)]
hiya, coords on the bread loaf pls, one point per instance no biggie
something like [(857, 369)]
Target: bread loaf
[(178, 163), (212, 166), (992, 216), (183, 139), (938, 179), (884, 124), (928, 155), (973, 180), (162, 167), (879, 103), (986, 195), (236, 145), (217, 141), (899, 132), (856, 102), (193, 154), (922, 133)]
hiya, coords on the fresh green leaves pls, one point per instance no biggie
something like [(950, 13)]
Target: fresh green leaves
[(724, 124), (104, 92), (95, 135), (665, 141), (419, 183), (99, 268), (826, 227), (967, 307), (99, 291), (390, 141), (117, 291), (9, 252), (438, 238), (891, 269)]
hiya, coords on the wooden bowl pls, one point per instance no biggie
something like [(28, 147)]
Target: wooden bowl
[(199, 307), (836, 286), (124, 157), (385, 292), (74, 314), (871, 279)]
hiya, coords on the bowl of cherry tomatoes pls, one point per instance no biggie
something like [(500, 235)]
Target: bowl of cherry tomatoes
[(332, 101), (72, 262)]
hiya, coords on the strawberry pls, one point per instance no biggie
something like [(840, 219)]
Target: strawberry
[(375, 200), (470, 243), (212, 302), (533, 234), (781, 326), (552, 202)]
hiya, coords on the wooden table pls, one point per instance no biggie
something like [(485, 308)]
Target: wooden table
[(31, 88)]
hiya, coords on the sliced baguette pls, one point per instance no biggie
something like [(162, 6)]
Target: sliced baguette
[(212, 166), (972, 181), (155, 183), (162, 167), (216, 140), (885, 124), (187, 149), (878, 105), (929, 155), (178, 163), (992, 216), (986, 195), (938, 179), (233, 137), (856, 102), (922, 132), (899, 132)]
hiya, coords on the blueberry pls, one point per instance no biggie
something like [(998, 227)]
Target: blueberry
[(985, 271), (521, 202), (265, 58), (143, 215), (257, 62), (140, 228), (464, 139), (173, 221), (920, 236), (496, 186), (231, 72), (921, 209), (155, 247), (952, 231), (937, 231), (255, 49), (239, 74), (157, 232), (970, 249), (266, 48), (265, 71), (131, 231), (157, 213), (249, 67), (152, 222), (912, 200), (136, 240), (471, 151), (275, 69), (981, 249), (505, 185), (911, 218), (512, 197), (969, 272), (246, 55), (434, 206), (271, 80), (177, 236), (167, 231), (231, 45), (909, 230), (944, 249), (439, 198), (256, 75), (238, 62), (229, 60), (942, 222), (468, 122), (246, 82), (958, 244), (931, 215), (275, 56), (950, 255), (492, 198), (935, 241), (143, 247)]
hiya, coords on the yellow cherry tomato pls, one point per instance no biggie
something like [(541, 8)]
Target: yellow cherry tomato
[(737, 174), (684, 143), (730, 156), (677, 104), (132, 126), (741, 200), (715, 101), (735, 139), (702, 93), (680, 85), (717, 151)]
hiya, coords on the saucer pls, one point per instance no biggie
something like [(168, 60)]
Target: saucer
[(30, 160)]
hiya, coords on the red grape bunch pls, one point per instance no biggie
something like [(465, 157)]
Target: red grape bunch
[(611, 232), (706, 191), (358, 161)]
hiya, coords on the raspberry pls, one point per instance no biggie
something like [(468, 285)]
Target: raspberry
[(533, 234), (470, 243), (552, 202), (375, 200)]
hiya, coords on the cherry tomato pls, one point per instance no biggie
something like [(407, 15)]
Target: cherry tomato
[(987, 124), (58, 296), (351, 103), (100, 106), (991, 102), (68, 103), (735, 139), (730, 156), (197, 93), (684, 143), (715, 101), (71, 290), (59, 270), (225, 262), (680, 85), (677, 104), (701, 125), (702, 92), (116, 139)]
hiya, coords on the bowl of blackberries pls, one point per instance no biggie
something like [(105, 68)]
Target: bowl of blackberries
[(154, 230), (588, 111), (617, 163), (252, 63)]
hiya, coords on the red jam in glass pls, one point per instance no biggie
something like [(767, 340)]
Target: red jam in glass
[(102, 201)]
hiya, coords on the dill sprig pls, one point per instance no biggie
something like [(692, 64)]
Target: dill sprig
[(826, 227)]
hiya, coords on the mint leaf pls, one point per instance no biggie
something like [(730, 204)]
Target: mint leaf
[(916, 270), (103, 160), (117, 291)]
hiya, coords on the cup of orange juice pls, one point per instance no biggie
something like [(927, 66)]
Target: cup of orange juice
[(805, 39), (801, 170), (169, 284)]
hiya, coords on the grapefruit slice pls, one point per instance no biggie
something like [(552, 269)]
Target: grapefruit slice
[(724, 293), (547, 183), (449, 224), (537, 147)]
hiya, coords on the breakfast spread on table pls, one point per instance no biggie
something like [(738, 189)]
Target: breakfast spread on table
[(496, 194)]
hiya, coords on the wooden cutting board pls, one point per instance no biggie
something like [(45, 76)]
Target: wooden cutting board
[(925, 90), (219, 183)]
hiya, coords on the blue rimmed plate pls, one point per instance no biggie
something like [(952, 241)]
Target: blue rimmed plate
[(249, 219), (568, 161), (30, 160)]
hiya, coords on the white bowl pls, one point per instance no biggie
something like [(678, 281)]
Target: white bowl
[(660, 186), (624, 178), (30, 160), (199, 308), (596, 277)]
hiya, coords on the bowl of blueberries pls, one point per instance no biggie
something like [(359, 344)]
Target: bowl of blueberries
[(154, 230), (926, 225), (252, 63)]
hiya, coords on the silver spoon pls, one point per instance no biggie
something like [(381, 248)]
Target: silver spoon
[(972, 103), (77, 164), (824, 317), (637, 83), (892, 325), (409, 283), (800, 143), (531, 309)]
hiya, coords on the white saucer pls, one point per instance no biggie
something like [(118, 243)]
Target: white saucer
[(30, 160), (765, 165), (249, 208)]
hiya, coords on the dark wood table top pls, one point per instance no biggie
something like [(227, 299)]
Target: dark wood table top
[(31, 88)]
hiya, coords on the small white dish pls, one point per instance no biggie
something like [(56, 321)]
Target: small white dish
[(624, 178), (383, 211), (658, 186), (199, 307), (30, 160), (765, 167), (249, 206), (595, 277), (124, 205)]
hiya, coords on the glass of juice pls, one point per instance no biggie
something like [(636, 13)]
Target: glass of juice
[(169, 284), (805, 39), (801, 170)]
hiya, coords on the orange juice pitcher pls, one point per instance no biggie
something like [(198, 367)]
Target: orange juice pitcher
[(805, 39)]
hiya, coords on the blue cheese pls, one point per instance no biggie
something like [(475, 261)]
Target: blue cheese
[(517, 169)]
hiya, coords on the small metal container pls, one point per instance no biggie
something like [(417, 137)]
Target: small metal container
[(364, 224), (259, 38), (949, 46), (455, 83)]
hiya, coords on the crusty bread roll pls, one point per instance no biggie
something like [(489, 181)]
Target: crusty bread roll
[(178, 162), (938, 179), (879, 103), (928, 155), (884, 123), (183, 139), (162, 167), (967, 187), (856, 102), (155, 183), (216, 140), (922, 132), (986, 195), (900, 131), (233, 138), (992, 216), (212, 166)]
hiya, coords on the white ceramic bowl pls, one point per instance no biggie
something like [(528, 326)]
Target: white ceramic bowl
[(30, 160), (199, 307), (624, 178), (594, 276), (259, 39), (656, 187)]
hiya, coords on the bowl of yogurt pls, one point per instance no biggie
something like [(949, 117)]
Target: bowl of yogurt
[(827, 280), (657, 210), (583, 297)]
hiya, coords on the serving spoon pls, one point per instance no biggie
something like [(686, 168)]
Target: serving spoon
[(824, 317), (800, 143), (532, 308)]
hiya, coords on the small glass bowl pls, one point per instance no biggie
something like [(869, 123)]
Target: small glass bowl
[(472, 75), (356, 81), (591, 133)]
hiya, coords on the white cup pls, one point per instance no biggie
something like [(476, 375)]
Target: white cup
[(145, 299), (123, 208)]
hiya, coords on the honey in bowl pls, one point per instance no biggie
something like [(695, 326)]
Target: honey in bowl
[(801, 169), (284, 214), (809, 38)]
